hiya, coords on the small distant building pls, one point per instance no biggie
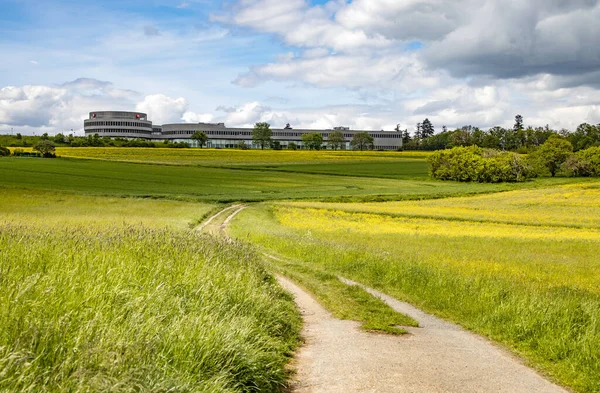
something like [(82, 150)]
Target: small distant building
[(135, 125)]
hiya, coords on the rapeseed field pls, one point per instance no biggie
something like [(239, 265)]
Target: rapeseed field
[(520, 267)]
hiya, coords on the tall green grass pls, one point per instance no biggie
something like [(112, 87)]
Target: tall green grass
[(133, 309), (537, 297)]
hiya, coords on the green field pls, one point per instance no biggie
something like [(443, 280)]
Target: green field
[(110, 294), (519, 267), (109, 236)]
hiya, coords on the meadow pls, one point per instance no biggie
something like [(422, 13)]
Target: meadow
[(105, 236), (211, 184), (113, 294), (519, 267)]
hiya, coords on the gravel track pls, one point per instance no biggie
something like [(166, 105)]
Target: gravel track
[(339, 357)]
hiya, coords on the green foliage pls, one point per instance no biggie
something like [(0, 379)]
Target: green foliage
[(586, 135), (200, 137), (4, 152), (261, 134), (46, 148), (474, 164), (336, 140), (583, 163), (362, 141), (292, 146), (313, 141), (550, 156)]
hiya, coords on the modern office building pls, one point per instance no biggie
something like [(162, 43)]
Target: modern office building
[(135, 125)]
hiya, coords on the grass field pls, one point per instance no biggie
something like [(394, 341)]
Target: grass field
[(231, 157), (109, 294), (519, 267), (93, 240), (218, 184)]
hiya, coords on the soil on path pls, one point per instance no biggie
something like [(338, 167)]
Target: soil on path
[(339, 357)]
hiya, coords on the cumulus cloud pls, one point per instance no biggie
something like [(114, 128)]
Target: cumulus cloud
[(464, 37), (162, 109)]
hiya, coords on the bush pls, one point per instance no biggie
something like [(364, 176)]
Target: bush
[(4, 152), (292, 146), (474, 164), (46, 148), (583, 163), (551, 156), (242, 145)]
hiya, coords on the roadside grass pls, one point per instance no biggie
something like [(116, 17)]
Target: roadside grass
[(95, 299), (222, 185), (538, 295), (347, 302)]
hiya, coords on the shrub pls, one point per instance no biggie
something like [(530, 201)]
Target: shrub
[(292, 146), (576, 166), (592, 157), (550, 156), (46, 148), (4, 151), (242, 145), (470, 164)]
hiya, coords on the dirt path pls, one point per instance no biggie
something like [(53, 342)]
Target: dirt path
[(339, 357)]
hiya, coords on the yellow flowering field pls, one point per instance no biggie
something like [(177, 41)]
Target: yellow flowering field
[(228, 157), (571, 205), (520, 267)]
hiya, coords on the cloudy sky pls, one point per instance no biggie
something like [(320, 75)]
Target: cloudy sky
[(367, 64)]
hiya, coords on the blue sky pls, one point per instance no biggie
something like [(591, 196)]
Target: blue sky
[(367, 64)]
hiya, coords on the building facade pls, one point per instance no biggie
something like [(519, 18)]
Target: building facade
[(135, 125)]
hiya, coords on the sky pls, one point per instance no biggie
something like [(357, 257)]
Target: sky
[(364, 64)]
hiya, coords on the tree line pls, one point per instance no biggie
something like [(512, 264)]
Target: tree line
[(518, 138)]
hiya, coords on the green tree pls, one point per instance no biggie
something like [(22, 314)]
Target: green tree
[(362, 141), (405, 137), (292, 146), (59, 138), (261, 134), (336, 140), (19, 136), (200, 137), (552, 154), (45, 136), (4, 151), (45, 147), (313, 141), (427, 129)]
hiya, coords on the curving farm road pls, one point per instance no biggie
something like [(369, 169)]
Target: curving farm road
[(339, 357)]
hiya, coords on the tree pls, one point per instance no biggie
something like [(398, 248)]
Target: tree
[(405, 137), (418, 132), (200, 137), (4, 151), (45, 136), (19, 136), (518, 123), (427, 129), (362, 141), (59, 138), (292, 146), (313, 141), (552, 154), (261, 134), (46, 148), (336, 140)]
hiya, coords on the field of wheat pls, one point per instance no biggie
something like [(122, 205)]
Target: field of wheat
[(520, 267)]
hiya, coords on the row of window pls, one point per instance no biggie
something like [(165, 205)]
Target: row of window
[(116, 131), (276, 133), (116, 124)]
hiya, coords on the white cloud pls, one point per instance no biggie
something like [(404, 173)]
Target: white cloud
[(162, 109)]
